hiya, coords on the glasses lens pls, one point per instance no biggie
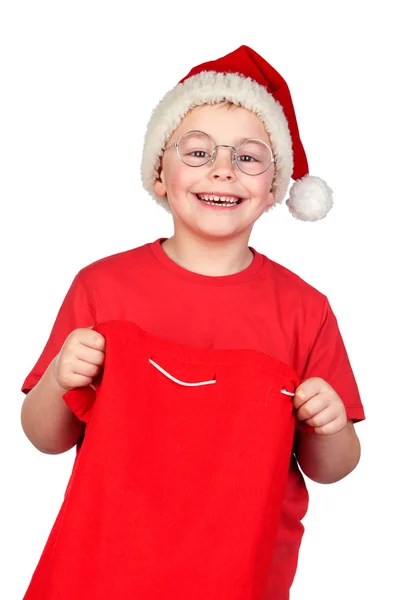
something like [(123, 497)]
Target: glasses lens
[(195, 149), (253, 157)]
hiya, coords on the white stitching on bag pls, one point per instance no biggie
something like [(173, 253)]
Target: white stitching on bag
[(177, 380), (287, 393), (195, 384)]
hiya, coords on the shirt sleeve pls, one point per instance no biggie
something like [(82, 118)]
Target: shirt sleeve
[(77, 310), (329, 360)]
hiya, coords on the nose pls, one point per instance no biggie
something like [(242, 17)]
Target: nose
[(222, 168)]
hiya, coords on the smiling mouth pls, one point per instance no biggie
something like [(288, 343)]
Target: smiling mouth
[(217, 200)]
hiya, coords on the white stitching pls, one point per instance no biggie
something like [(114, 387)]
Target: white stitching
[(177, 380), (199, 382), (287, 393)]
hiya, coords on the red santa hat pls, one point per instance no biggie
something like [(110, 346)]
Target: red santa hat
[(244, 78)]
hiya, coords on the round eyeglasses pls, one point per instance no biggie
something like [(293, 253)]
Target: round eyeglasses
[(196, 149)]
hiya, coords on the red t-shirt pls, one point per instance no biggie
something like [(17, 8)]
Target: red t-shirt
[(265, 307)]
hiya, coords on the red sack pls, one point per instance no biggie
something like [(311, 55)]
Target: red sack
[(177, 489)]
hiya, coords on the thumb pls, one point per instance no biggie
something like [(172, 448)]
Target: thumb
[(300, 398)]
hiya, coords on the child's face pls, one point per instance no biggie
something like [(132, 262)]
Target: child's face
[(181, 183)]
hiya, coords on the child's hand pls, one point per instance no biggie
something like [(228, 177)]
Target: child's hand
[(80, 358), (319, 406)]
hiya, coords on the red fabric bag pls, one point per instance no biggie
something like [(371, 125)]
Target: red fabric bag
[(176, 489)]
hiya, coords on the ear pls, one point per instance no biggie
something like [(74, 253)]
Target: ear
[(271, 199), (159, 186)]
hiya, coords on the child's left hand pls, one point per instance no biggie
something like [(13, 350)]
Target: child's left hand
[(319, 406)]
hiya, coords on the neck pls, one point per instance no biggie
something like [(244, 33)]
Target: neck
[(209, 256)]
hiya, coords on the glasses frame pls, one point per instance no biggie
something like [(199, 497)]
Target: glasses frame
[(214, 152)]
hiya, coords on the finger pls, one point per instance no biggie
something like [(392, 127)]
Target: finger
[(81, 367), (307, 389), (89, 355), (312, 407), (323, 417), (92, 339), (332, 427)]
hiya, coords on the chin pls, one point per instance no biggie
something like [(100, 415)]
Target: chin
[(217, 232)]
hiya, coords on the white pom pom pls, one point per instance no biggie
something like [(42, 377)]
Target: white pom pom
[(310, 199)]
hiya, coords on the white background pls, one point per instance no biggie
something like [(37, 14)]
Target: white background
[(78, 83)]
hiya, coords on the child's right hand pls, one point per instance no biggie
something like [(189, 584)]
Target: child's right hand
[(80, 359)]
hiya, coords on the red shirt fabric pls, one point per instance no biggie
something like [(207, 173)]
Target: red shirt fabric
[(179, 483), (265, 307)]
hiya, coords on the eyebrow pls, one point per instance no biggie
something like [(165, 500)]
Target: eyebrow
[(243, 139)]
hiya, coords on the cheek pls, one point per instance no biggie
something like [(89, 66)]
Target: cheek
[(179, 181), (260, 187)]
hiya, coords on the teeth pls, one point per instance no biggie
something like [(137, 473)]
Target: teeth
[(212, 198)]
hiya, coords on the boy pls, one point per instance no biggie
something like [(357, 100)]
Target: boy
[(219, 151)]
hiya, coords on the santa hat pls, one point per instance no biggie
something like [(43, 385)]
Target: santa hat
[(244, 78)]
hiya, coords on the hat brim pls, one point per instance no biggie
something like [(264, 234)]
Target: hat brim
[(211, 87)]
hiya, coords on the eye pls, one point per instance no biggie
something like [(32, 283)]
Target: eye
[(199, 154), (247, 158)]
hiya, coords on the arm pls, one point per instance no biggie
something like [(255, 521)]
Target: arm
[(332, 450), (329, 404), (328, 458), (46, 419)]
